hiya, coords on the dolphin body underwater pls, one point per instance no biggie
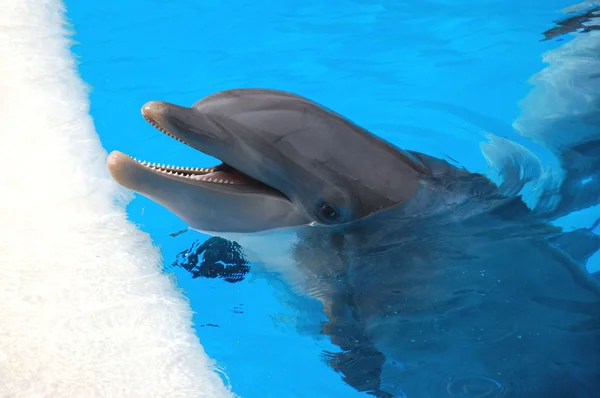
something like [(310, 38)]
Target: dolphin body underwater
[(434, 283)]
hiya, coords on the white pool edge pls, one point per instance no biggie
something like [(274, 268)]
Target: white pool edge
[(85, 310)]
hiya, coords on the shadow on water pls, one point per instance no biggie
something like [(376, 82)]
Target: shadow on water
[(468, 291), (580, 21), (214, 258)]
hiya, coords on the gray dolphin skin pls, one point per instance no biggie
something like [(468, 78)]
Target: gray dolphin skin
[(435, 284)]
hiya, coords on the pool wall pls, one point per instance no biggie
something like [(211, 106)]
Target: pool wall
[(85, 309)]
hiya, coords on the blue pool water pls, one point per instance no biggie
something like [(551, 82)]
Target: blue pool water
[(431, 76)]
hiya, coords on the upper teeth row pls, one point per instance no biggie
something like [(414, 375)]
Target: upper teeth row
[(157, 126)]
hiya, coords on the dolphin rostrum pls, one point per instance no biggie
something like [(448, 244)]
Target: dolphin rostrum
[(434, 283)]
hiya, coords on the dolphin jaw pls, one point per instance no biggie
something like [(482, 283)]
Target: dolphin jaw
[(125, 170), (222, 174)]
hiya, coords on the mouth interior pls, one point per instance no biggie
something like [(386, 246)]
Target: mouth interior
[(221, 174)]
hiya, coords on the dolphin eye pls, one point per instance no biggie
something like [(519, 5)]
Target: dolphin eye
[(329, 211)]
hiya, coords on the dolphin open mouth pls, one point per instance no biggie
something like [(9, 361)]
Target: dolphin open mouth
[(221, 176)]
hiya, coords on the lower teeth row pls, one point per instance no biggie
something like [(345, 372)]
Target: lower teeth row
[(161, 168)]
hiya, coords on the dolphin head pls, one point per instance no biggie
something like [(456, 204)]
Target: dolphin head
[(286, 162)]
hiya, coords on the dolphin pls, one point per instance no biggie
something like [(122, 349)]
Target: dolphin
[(434, 283), (272, 174)]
